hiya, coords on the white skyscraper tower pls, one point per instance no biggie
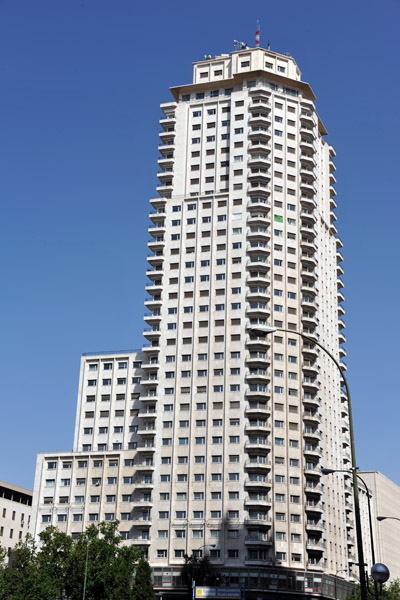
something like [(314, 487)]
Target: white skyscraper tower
[(211, 440), (244, 237)]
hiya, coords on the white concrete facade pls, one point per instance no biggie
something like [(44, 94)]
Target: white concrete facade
[(386, 503), (15, 514), (244, 237)]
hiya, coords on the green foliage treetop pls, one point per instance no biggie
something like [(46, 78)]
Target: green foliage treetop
[(58, 566)]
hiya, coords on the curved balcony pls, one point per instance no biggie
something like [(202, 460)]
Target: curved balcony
[(332, 204), (158, 203), (149, 398), (144, 467), (257, 394), (264, 484), (259, 119), (306, 130), (258, 464), (255, 203), (166, 175), (310, 384), (259, 218), (312, 418), (154, 274), (150, 382), (166, 189), (158, 229), (260, 159), (259, 309), (312, 434), (307, 187), (257, 428), (145, 413), (259, 445), (153, 303), (260, 539), (309, 320), (258, 344), (157, 244), (260, 132), (266, 520), (307, 244), (306, 143), (257, 293), (257, 376), (306, 118), (311, 402), (315, 545), (310, 353), (258, 359), (167, 148), (166, 162), (258, 252), (154, 288), (262, 410), (308, 158), (168, 135), (313, 488), (307, 229), (312, 452), (308, 260), (153, 318), (259, 177), (143, 447), (260, 189), (155, 260), (168, 121), (260, 104), (308, 275), (315, 470), (308, 304), (258, 278), (314, 506), (314, 525)]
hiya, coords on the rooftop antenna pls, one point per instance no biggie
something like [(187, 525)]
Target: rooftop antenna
[(258, 35), (269, 45), (240, 45)]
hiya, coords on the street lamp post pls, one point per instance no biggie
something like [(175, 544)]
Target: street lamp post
[(383, 518), (363, 582)]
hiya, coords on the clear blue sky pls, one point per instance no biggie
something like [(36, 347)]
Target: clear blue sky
[(80, 86)]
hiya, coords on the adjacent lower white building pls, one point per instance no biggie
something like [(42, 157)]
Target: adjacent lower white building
[(385, 502), (211, 439), (15, 514)]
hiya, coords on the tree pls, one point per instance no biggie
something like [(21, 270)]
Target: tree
[(200, 570), (21, 580), (390, 591), (108, 565), (57, 567), (142, 586)]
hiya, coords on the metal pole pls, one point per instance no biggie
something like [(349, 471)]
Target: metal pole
[(86, 568), (361, 564)]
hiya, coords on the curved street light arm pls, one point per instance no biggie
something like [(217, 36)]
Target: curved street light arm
[(363, 582)]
